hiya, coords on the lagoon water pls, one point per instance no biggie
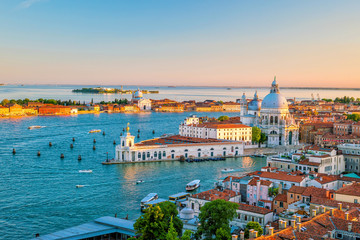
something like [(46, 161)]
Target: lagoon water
[(38, 194)]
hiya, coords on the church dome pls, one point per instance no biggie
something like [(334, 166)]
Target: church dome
[(255, 104), (274, 99), (138, 94), (187, 213)]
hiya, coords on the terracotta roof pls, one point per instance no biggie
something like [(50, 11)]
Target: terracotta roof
[(332, 203), (308, 163), (227, 179), (279, 175), (314, 192), (297, 189), (352, 190), (214, 194), (254, 209), (281, 197)]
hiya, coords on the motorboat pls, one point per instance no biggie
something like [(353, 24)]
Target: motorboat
[(139, 181), (85, 171), (225, 170), (148, 198), (153, 203), (95, 131), (80, 186), (192, 185), (35, 127)]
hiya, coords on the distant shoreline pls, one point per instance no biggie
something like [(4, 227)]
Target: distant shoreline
[(197, 86)]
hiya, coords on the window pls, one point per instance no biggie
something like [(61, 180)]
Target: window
[(281, 204), (355, 201), (148, 154), (192, 206), (291, 195), (339, 236)]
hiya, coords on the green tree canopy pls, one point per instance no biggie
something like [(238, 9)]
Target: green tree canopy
[(223, 118), (5, 102), (263, 138), (222, 234), (256, 134), (253, 225), (172, 234), (214, 215), (151, 224), (355, 117), (170, 214)]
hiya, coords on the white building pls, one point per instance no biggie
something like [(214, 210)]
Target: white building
[(317, 159), (227, 131), (351, 154), (273, 117), (174, 147), (140, 101)]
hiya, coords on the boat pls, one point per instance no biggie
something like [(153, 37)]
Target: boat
[(153, 203), (80, 186), (192, 185), (35, 127), (95, 131), (140, 181), (179, 198), (85, 171), (227, 170), (150, 197)]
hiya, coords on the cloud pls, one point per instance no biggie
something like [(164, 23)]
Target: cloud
[(29, 3)]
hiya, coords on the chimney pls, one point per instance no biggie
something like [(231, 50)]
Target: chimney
[(255, 234), (340, 206), (298, 226), (346, 216), (267, 229), (330, 234), (280, 224), (242, 235), (284, 224), (293, 223), (349, 227), (313, 213), (251, 233), (234, 237), (294, 217), (322, 209), (298, 219), (331, 213), (271, 231)]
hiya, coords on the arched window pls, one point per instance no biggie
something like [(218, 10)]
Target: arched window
[(271, 120), (186, 150), (199, 149), (276, 120), (148, 154), (155, 154), (172, 151), (164, 153), (224, 148), (123, 143), (139, 155), (273, 132)]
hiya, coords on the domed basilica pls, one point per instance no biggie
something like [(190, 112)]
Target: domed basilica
[(272, 116)]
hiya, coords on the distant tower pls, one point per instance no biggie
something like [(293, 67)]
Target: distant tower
[(123, 150), (243, 105), (312, 97), (318, 97)]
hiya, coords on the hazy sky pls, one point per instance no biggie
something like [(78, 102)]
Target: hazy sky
[(185, 42)]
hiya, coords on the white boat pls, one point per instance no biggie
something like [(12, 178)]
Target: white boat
[(227, 170), (193, 185), (80, 186), (148, 198), (140, 181), (34, 127), (85, 171), (95, 131)]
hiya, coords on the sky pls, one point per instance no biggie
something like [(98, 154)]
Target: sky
[(188, 42)]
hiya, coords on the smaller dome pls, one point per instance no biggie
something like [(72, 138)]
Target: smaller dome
[(187, 213), (138, 94), (254, 105), (243, 96)]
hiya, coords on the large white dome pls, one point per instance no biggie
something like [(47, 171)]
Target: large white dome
[(274, 100)]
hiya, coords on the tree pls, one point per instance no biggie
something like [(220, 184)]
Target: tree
[(5, 102), (170, 214), (263, 138), (172, 234), (256, 134), (222, 234), (214, 215), (223, 118), (253, 225), (187, 235), (151, 225)]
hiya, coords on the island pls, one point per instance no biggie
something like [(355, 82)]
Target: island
[(103, 90)]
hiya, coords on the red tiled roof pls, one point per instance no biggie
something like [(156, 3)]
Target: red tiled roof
[(297, 189), (332, 203), (214, 194), (281, 197), (254, 209), (279, 175), (352, 190), (307, 162)]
